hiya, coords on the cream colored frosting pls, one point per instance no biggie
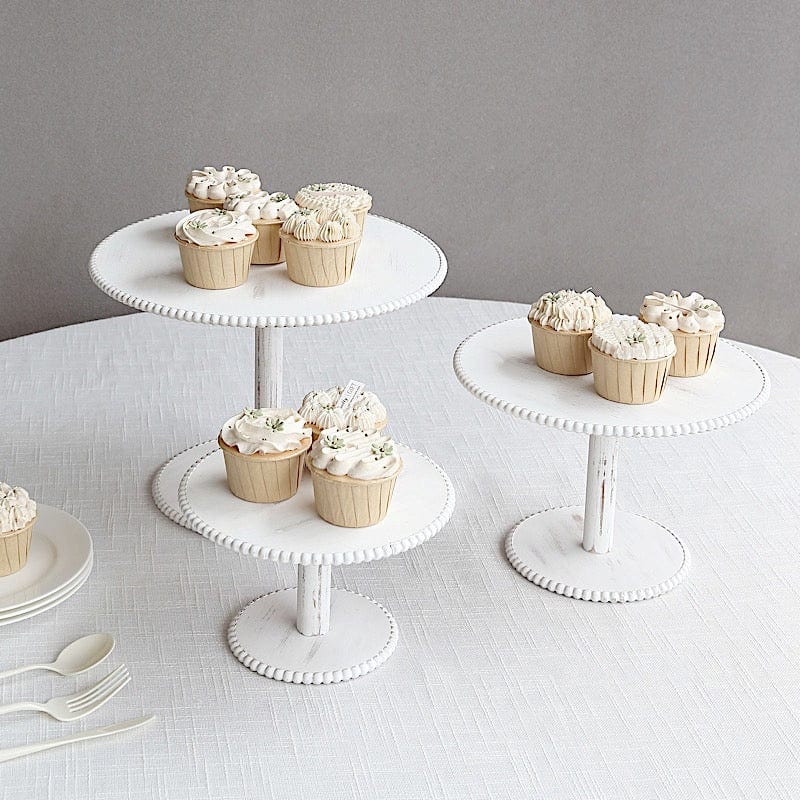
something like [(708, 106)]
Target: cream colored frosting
[(324, 225), (210, 183), (265, 430), (334, 195), (358, 454), (16, 508), (568, 310), (214, 226), (691, 314), (627, 337), (277, 206), (365, 413)]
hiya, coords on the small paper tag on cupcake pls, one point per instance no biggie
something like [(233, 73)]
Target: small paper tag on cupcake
[(349, 394)]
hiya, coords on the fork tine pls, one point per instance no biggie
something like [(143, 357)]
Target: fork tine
[(108, 683), (98, 699), (78, 698)]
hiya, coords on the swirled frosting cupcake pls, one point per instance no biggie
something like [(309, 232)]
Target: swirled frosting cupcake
[(17, 518), (208, 187), (695, 323), (263, 450), (334, 195), (320, 245), (562, 323), (320, 408), (268, 211), (354, 475), (630, 359)]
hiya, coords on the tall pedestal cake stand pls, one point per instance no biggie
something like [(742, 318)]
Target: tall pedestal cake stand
[(310, 634), (596, 552)]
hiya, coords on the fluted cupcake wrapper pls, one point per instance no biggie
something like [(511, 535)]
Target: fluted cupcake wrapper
[(694, 353), (263, 477), (351, 503), (631, 381), (14, 549), (268, 249), (197, 204), (319, 263), (561, 352), (222, 266)]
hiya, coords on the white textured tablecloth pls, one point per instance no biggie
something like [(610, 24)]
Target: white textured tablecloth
[(497, 689)]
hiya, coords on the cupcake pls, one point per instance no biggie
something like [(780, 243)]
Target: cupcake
[(208, 187), (695, 322), (354, 473), (336, 196), (630, 359), (562, 324), (17, 518), (267, 212), (320, 246), (320, 408), (263, 450), (216, 248)]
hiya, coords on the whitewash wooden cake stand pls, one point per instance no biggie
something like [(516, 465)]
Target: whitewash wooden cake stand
[(308, 634), (569, 550)]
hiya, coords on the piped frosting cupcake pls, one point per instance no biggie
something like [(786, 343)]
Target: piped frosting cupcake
[(561, 324), (17, 518), (267, 211), (695, 322), (630, 359), (320, 407), (209, 187)]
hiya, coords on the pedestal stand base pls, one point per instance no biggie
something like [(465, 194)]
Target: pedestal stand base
[(362, 635), (646, 559)]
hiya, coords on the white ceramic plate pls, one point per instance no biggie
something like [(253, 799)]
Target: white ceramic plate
[(51, 602), (61, 549), (46, 602)]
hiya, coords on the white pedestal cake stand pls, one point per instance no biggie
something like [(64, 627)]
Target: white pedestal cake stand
[(569, 550), (395, 267)]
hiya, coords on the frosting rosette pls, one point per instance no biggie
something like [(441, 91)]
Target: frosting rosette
[(214, 226), (262, 206), (330, 225), (334, 195), (266, 430), (568, 310), (210, 183), (365, 413), (360, 455), (691, 314), (626, 337), (16, 508)]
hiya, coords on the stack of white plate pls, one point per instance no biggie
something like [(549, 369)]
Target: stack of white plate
[(59, 563)]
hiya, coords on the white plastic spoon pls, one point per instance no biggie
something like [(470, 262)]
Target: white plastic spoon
[(75, 658)]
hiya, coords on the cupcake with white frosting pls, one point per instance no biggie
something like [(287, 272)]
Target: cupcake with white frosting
[(216, 248), (320, 246), (17, 518), (695, 323), (267, 211), (209, 187), (354, 475), (263, 450), (630, 359), (322, 408), (561, 324), (336, 196)]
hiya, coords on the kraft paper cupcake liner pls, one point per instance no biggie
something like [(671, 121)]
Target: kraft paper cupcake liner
[(198, 204), (318, 263), (631, 381), (561, 352), (351, 503), (14, 549), (268, 249), (222, 266), (694, 353), (263, 477)]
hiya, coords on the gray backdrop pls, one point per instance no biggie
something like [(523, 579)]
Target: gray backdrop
[(624, 146)]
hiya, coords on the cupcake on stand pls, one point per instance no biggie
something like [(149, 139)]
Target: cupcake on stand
[(267, 212), (17, 518), (209, 187)]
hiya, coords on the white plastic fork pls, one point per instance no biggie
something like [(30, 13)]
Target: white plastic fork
[(75, 706)]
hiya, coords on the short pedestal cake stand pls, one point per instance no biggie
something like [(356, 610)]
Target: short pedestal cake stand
[(307, 634), (569, 550)]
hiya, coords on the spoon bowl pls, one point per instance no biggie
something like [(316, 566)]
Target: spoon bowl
[(83, 654)]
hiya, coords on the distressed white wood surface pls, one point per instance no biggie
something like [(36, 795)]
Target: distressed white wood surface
[(269, 368), (313, 599), (601, 494), (646, 561), (140, 266)]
